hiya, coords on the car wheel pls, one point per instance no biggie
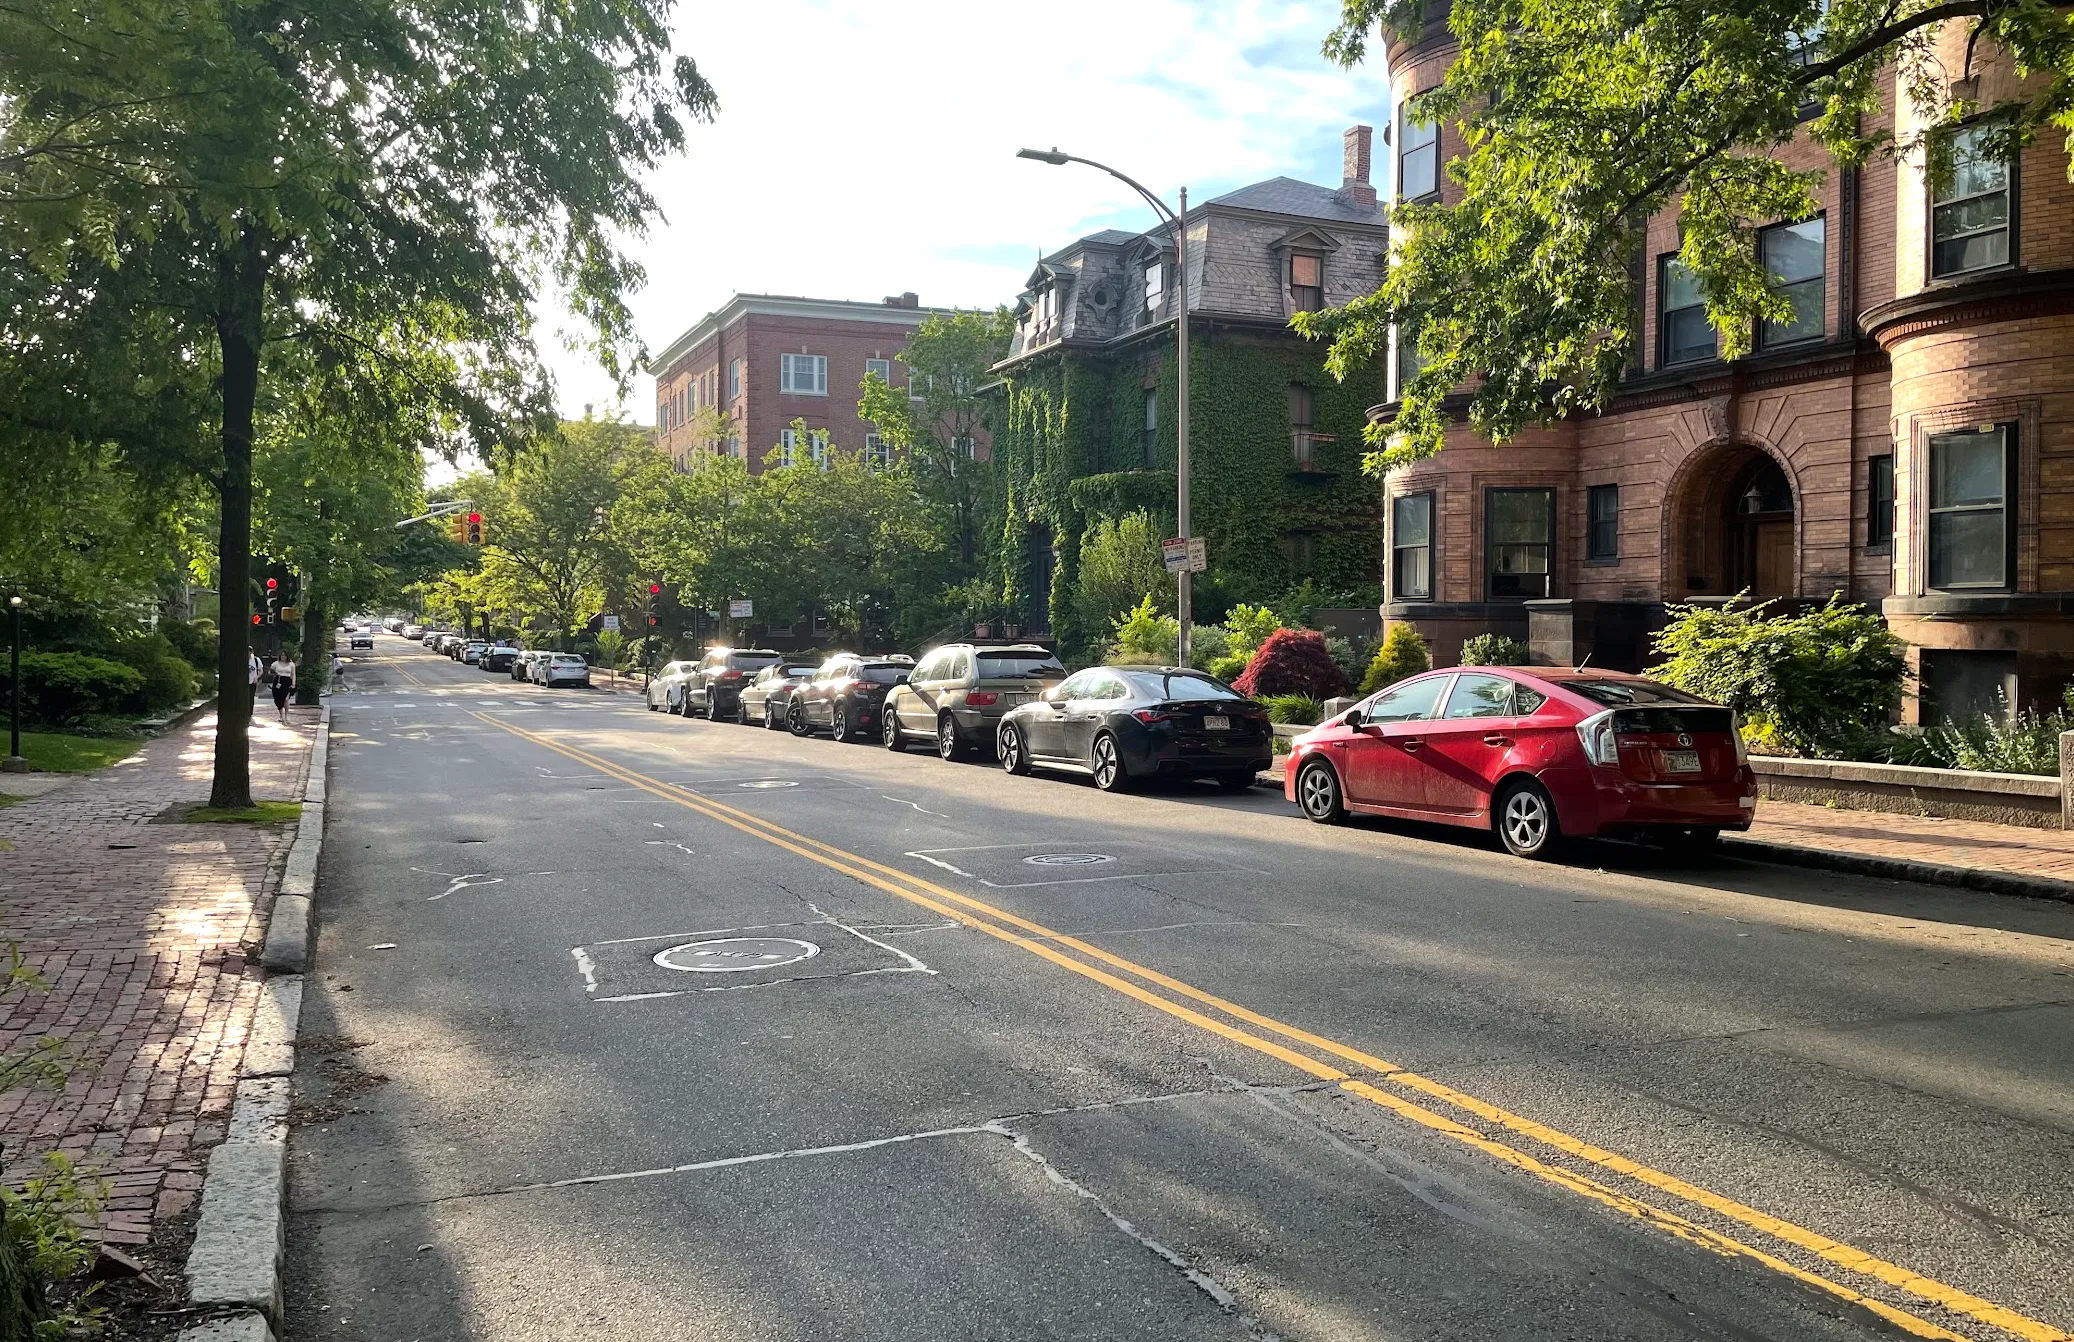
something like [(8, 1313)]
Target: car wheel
[(770, 716), (948, 744), (1110, 775), (889, 731), (796, 718), (1527, 821), (1014, 758), (839, 723), (1235, 782), (1318, 794)]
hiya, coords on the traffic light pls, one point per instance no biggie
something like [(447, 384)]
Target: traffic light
[(474, 529), (655, 591), (257, 619)]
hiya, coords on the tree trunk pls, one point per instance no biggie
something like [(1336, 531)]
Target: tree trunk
[(315, 672), (240, 293)]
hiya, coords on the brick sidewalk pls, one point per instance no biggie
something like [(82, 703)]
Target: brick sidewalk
[(2014, 849), (147, 934)]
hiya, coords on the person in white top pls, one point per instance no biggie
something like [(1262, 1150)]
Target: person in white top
[(283, 674), (253, 667)]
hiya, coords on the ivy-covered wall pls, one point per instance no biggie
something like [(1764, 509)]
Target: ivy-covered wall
[(1073, 452)]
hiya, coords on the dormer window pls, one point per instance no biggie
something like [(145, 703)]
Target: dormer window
[(1306, 283), (1155, 282)]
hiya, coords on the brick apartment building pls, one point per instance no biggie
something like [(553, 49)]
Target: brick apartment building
[(1907, 441), (765, 360)]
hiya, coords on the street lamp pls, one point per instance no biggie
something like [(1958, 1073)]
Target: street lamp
[(14, 763), (1057, 159)]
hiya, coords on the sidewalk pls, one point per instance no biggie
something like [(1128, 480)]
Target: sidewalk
[(2012, 859), (148, 936)]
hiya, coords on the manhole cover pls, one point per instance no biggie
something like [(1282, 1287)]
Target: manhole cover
[(1067, 859), (768, 783), (733, 955)]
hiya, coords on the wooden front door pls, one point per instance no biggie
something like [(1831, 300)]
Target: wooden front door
[(1774, 560)]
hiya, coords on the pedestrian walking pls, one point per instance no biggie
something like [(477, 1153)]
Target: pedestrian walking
[(283, 675), (253, 668), (338, 670)]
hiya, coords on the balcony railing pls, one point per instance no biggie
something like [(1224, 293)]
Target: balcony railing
[(1301, 445)]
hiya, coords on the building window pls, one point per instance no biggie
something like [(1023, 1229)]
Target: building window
[(803, 374), (788, 447), (1148, 436), (882, 368), (817, 446), (1971, 542), (734, 378), (1681, 315), (1408, 364), (1602, 533), (1792, 255), (691, 395), (1519, 535), (966, 448), (734, 448), (1879, 502), (1969, 216), (1303, 436), (1299, 551), (877, 455), (1411, 547), (1155, 281), (1306, 283), (918, 385), (1418, 154)]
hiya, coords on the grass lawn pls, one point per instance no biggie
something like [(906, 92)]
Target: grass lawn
[(262, 813), (57, 752)]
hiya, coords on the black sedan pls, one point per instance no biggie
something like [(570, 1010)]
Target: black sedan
[(1119, 724), (846, 696), (498, 658)]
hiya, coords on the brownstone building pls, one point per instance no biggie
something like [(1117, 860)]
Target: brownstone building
[(1907, 440), (765, 360)]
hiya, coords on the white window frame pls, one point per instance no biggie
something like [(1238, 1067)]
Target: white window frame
[(883, 367), (965, 446), (877, 455), (1155, 285), (788, 446), (734, 378), (818, 449), (803, 374), (917, 385)]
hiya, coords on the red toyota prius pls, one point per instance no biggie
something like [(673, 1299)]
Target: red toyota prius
[(1535, 753)]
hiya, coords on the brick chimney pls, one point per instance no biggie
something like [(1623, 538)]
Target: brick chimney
[(907, 300), (1355, 189)]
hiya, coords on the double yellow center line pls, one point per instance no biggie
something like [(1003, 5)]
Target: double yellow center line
[(1381, 1082)]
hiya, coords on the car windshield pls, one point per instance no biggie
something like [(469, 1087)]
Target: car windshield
[(1019, 666), (1182, 685), (883, 673), (1621, 693)]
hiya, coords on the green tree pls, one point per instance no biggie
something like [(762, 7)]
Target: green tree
[(1583, 120), (1120, 565), (288, 172), (549, 549)]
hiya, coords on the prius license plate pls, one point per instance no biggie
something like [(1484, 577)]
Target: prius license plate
[(1682, 761), (1216, 724)]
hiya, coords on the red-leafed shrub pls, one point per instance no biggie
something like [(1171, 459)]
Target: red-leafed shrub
[(1292, 661)]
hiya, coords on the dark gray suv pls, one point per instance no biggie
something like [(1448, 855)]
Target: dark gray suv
[(958, 692), (714, 689)]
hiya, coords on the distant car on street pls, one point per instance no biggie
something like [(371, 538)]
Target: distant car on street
[(665, 690), (360, 638), (958, 693), (498, 657), (522, 665), (768, 698), (1536, 754), (561, 668), (1122, 724), (413, 632), (846, 696), (714, 687), (471, 652)]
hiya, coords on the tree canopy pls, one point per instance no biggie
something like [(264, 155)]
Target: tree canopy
[(1583, 119)]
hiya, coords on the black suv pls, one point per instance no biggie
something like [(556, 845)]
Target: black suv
[(714, 690)]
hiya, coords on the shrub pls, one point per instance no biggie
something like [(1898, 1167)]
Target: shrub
[(1292, 661), (1346, 657), (1807, 684), (168, 680), (64, 688), (1494, 650), (1228, 667), (1119, 566), (1402, 654), (1145, 638), (1209, 643), (1297, 709), (2027, 744), (1249, 626)]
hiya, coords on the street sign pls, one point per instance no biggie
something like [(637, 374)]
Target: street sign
[(1187, 553), (612, 623), (741, 610)]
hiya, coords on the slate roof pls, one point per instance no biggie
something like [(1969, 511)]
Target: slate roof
[(1108, 237), (1286, 195)]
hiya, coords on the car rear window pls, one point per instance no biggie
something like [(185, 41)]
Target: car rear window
[(568, 659), (1159, 685), (801, 670), (1018, 665), (750, 661), (884, 673), (1701, 720), (1621, 693)]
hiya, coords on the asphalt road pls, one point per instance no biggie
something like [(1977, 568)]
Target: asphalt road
[(981, 1057)]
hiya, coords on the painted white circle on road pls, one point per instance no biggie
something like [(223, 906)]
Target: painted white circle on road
[(1067, 859), (734, 955), (769, 783)]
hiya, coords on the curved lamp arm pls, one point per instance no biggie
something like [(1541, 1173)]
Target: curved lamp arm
[(1054, 157)]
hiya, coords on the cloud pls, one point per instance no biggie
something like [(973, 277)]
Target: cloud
[(863, 150)]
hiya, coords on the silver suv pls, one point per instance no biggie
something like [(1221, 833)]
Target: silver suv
[(958, 692)]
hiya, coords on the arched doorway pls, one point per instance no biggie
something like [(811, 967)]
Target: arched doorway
[(1733, 527)]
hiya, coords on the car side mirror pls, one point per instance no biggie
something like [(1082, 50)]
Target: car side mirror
[(1352, 718)]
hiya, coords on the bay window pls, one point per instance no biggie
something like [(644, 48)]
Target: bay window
[(1411, 547), (1519, 543), (1971, 536)]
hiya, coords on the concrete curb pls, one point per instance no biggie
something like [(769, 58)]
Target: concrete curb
[(1899, 869), (235, 1263)]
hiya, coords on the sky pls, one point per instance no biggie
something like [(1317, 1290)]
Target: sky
[(865, 149)]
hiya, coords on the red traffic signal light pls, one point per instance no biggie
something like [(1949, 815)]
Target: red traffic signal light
[(475, 517), (257, 617), (272, 583), (653, 621), (655, 589)]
